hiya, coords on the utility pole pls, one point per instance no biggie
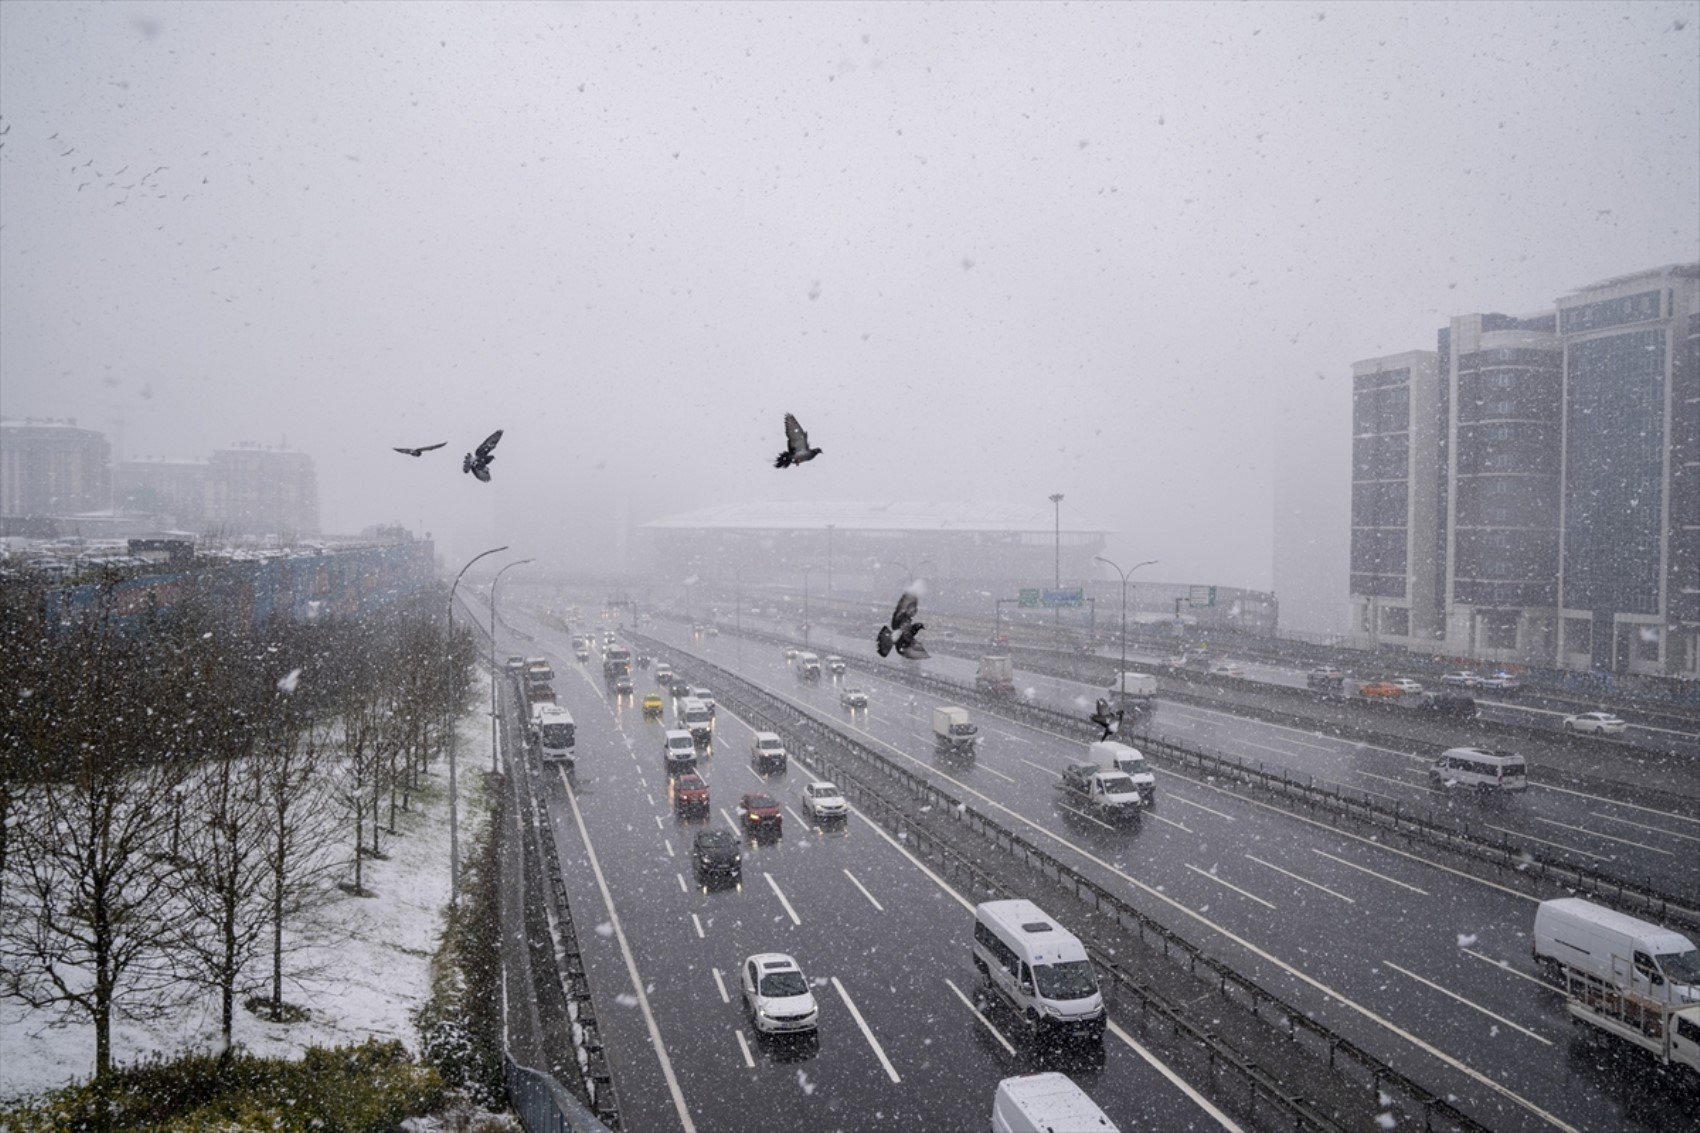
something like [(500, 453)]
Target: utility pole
[(1056, 502), (1124, 577), (494, 745), (454, 790)]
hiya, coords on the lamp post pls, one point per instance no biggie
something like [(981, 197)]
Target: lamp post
[(454, 790), (493, 581), (911, 575), (1056, 503), (806, 626), (1124, 577), (829, 528)]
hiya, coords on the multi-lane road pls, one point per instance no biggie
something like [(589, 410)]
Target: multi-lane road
[(1422, 962)]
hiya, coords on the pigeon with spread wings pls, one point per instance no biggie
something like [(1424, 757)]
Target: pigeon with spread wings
[(904, 627), (1105, 719), (478, 463), (797, 448), (422, 449)]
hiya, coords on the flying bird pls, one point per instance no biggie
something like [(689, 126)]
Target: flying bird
[(478, 463), (905, 627), (797, 445), (420, 451), (1111, 723)]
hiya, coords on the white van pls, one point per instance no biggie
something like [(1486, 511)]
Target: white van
[(1579, 939), (693, 716), (1046, 1103), (1120, 757), (555, 733), (1040, 967), (1481, 769), (678, 751)]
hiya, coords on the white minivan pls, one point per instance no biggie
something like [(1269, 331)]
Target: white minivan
[(1040, 967), (555, 734), (1577, 939), (1479, 769), (1045, 1103), (693, 716)]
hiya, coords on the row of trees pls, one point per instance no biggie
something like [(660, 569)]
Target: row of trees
[(173, 784)]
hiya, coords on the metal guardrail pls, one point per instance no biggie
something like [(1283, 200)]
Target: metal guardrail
[(852, 765), (1325, 797)]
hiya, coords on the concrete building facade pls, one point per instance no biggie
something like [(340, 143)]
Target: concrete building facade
[(50, 468)]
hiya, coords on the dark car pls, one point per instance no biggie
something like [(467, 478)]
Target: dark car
[(716, 853), (761, 814), (622, 685), (1448, 704), (690, 793), (680, 688)]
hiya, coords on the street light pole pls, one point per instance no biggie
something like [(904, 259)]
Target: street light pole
[(806, 625), (454, 789), (829, 528), (493, 581), (1124, 576), (1056, 502)]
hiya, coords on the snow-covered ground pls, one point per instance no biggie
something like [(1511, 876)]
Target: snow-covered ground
[(372, 957)]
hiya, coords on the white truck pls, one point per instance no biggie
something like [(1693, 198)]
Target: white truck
[(1577, 939), (954, 734), (555, 734), (1134, 693), (1107, 795), (1670, 1034), (996, 675), (1130, 761), (808, 667)]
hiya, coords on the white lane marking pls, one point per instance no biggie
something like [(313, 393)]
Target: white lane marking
[(744, 1045), (1171, 822), (736, 829), (698, 922), (968, 1003), (1200, 806), (1371, 872), (990, 770), (789, 911), (1235, 888), (683, 888), (1178, 1082), (1428, 1048), (679, 1105), (1644, 826), (670, 852), (879, 1051), (720, 982), (651, 796), (1465, 1002), (1607, 837), (864, 890), (1041, 767), (1086, 816), (913, 860), (658, 824), (1527, 837), (1504, 967), (1306, 880), (801, 821), (1596, 799)]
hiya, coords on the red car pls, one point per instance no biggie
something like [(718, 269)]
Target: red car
[(761, 814), (690, 793)]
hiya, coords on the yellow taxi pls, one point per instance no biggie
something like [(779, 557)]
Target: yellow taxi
[(652, 704)]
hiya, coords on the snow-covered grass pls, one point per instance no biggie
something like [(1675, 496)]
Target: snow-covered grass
[(368, 957)]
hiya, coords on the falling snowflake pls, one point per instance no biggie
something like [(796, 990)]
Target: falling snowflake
[(287, 684), (626, 999), (1465, 939), (605, 929)]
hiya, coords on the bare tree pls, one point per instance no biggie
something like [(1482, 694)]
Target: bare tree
[(298, 818)]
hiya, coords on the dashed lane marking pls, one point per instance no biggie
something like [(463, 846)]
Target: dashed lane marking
[(1504, 967), (789, 911), (1228, 885), (987, 1023), (879, 1051), (1305, 880), (864, 890), (696, 920), (1371, 872), (744, 1045), (1200, 806), (1467, 1003), (720, 983), (1176, 1080)]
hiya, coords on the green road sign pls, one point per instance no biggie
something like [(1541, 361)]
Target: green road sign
[(1030, 596)]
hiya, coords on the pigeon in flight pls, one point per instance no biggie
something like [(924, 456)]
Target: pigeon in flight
[(905, 627), (1105, 720), (423, 449), (478, 463), (797, 445)]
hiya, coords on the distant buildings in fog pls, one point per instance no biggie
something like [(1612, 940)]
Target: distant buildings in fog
[(1529, 491), (54, 474)]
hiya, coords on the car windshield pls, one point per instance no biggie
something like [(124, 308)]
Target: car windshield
[(760, 802), (1073, 979), (768, 745), (1681, 967), (1117, 785), (825, 792), (781, 985), (557, 735)]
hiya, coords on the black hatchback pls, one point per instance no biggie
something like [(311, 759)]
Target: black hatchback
[(716, 853)]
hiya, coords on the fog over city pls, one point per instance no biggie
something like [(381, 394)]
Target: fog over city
[(1127, 253)]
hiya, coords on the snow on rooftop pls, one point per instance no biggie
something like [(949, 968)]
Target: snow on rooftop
[(851, 516)]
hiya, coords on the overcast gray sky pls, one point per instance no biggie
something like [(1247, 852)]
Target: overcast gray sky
[(986, 252)]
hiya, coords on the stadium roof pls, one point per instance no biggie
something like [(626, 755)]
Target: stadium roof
[(798, 516)]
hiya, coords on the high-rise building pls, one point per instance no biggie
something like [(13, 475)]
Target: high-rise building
[(53, 468), (173, 488), (1530, 492), (251, 490)]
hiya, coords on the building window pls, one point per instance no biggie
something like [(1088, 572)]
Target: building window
[(1579, 635), (1396, 621), (1646, 642), (1498, 628)]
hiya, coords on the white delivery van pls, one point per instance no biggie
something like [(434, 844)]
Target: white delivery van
[(1046, 1103), (1040, 968), (555, 734), (1579, 940), (693, 716), (1108, 753), (1479, 769)]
